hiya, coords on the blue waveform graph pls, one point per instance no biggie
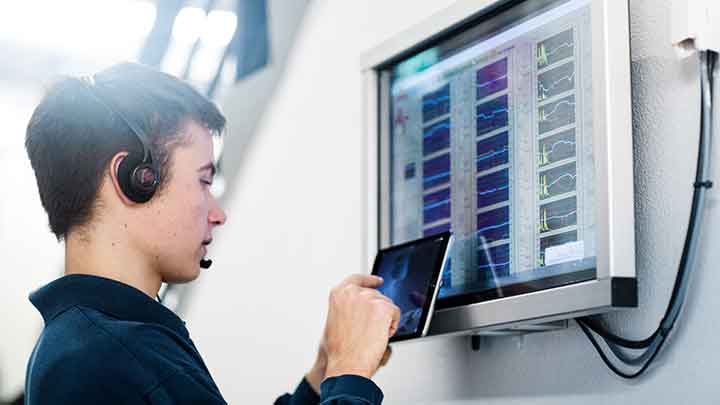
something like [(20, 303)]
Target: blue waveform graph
[(492, 115), (436, 171), (493, 188), (556, 81), (494, 225), (493, 262), (556, 114), (436, 103), (493, 151), (556, 48), (491, 79), (556, 147), (436, 206), (436, 137), (558, 214)]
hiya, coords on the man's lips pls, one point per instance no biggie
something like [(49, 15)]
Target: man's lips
[(205, 243)]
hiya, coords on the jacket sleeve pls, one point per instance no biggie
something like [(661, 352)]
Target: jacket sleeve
[(342, 390), (350, 390), (303, 395)]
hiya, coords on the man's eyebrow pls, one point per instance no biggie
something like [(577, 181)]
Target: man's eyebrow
[(208, 166)]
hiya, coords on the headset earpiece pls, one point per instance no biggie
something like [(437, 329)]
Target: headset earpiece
[(138, 180), (137, 175)]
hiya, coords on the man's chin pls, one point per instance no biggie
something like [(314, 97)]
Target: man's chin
[(184, 277)]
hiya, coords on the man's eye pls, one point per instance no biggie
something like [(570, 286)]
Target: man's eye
[(208, 182)]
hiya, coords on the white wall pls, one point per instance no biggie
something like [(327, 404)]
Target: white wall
[(29, 253), (295, 224)]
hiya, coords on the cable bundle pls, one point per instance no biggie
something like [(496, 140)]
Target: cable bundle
[(647, 349)]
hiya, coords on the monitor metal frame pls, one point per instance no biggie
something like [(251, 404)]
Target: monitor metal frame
[(615, 284)]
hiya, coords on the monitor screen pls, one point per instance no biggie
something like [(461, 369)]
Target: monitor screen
[(409, 273), (491, 137)]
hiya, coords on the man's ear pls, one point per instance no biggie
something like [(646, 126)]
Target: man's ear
[(113, 170)]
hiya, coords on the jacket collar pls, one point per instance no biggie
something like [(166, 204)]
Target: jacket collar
[(111, 297)]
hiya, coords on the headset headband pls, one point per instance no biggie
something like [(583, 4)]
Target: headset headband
[(89, 82)]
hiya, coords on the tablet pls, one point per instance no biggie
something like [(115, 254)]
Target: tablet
[(413, 273)]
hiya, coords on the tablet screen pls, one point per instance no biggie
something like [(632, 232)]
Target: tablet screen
[(411, 272)]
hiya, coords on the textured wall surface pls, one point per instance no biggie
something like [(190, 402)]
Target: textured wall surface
[(296, 218)]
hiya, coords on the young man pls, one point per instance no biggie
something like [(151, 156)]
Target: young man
[(123, 162)]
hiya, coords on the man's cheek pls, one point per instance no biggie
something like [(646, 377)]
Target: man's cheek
[(199, 214)]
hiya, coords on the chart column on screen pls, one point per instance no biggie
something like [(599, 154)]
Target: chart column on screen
[(436, 161), (493, 171), (437, 165), (557, 143)]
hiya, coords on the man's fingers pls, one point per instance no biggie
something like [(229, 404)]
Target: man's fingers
[(364, 280), (395, 322), (385, 298), (375, 294)]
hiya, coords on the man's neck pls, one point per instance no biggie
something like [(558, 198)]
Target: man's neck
[(112, 258)]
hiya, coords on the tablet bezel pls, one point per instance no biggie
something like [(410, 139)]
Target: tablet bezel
[(435, 280)]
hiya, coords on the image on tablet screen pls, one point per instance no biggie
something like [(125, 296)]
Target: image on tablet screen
[(407, 274)]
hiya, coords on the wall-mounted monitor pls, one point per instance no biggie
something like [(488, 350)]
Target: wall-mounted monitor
[(508, 123)]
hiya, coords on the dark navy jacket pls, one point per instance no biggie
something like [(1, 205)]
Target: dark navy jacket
[(105, 342)]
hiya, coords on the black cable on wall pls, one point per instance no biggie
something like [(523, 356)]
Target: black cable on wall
[(646, 350)]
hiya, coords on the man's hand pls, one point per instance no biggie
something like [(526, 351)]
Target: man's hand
[(316, 375), (360, 322)]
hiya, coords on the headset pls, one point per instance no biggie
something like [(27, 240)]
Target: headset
[(138, 174)]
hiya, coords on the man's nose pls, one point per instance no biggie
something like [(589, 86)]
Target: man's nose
[(217, 215)]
